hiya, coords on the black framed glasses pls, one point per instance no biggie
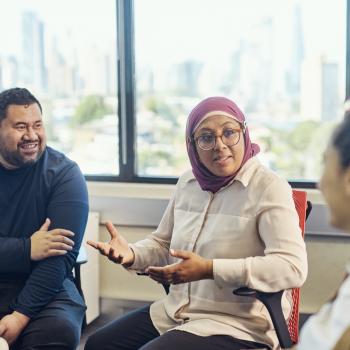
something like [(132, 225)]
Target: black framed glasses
[(207, 141)]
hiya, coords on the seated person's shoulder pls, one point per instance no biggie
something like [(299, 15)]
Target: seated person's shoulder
[(56, 158), (186, 177), (58, 165), (265, 180)]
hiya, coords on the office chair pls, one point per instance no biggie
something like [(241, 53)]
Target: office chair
[(287, 333)]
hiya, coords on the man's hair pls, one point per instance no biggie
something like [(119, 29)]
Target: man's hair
[(16, 96), (341, 140)]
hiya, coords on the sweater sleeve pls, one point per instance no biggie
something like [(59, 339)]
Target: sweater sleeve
[(14, 255), (284, 263), (67, 209)]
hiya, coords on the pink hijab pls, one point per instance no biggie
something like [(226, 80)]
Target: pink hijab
[(207, 180)]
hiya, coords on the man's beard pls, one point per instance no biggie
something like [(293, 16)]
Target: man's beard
[(16, 159)]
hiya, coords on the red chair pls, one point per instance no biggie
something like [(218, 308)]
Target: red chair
[(287, 330)]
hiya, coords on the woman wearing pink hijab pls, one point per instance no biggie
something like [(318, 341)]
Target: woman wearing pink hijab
[(230, 223)]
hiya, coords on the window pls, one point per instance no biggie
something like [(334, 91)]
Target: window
[(282, 64), (118, 78), (64, 52)]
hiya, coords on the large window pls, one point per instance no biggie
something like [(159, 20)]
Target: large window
[(65, 53), (118, 78), (283, 62)]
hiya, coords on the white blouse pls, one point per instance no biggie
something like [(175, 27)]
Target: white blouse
[(250, 229), (324, 329)]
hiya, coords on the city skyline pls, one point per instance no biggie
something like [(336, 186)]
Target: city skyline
[(270, 61)]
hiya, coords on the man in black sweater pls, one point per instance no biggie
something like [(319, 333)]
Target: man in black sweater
[(43, 214)]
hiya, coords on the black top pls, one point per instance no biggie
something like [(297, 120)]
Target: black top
[(53, 188)]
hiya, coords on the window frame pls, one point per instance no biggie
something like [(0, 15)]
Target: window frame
[(125, 53)]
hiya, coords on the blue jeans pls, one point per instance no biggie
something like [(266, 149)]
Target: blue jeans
[(57, 326)]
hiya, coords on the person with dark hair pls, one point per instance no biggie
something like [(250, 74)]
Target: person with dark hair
[(43, 214), (331, 324), (230, 223)]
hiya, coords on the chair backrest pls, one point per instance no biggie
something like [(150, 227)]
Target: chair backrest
[(303, 208), (287, 331)]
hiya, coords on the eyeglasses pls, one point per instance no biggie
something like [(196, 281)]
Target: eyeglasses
[(207, 141)]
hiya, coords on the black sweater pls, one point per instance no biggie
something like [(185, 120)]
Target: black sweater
[(51, 188)]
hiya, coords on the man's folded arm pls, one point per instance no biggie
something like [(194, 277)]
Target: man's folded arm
[(15, 255), (68, 210)]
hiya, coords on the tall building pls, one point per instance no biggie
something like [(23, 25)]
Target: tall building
[(330, 91), (185, 77), (9, 72), (63, 75), (297, 52), (320, 98), (33, 70), (256, 57), (96, 70)]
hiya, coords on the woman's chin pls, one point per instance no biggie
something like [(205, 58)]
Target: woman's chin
[(224, 171)]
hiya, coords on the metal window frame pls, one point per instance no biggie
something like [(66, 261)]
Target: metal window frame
[(127, 100)]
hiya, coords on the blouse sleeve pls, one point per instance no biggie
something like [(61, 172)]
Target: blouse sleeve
[(284, 263)]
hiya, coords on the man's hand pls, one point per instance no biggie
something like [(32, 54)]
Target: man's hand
[(12, 325), (117, 249), (192, 268), (45, 243)]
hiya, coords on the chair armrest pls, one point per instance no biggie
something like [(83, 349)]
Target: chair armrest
[(82, 256), (272, 302), (81, 259), (308, 209)]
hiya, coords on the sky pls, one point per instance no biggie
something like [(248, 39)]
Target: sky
[(323, 21), (169, 32), (87, 20), (212, 23)]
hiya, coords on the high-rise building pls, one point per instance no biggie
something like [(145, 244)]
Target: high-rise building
[(33, 70), (185, 77), (320, 98), (8, 72), (63, 76), (330, 91), (297, 52)]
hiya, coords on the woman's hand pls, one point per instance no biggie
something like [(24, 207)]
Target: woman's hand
[(192, 268), (117, 249)]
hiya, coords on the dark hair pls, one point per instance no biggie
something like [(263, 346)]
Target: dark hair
[(341, 140), (16, 96)]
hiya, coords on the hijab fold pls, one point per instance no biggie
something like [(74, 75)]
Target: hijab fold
[(221, 106)]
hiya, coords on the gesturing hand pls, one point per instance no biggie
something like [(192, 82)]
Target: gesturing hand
[(192, 268), (45, 243), (117, 249)]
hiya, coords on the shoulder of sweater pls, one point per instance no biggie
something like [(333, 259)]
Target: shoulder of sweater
[(58, 159)]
